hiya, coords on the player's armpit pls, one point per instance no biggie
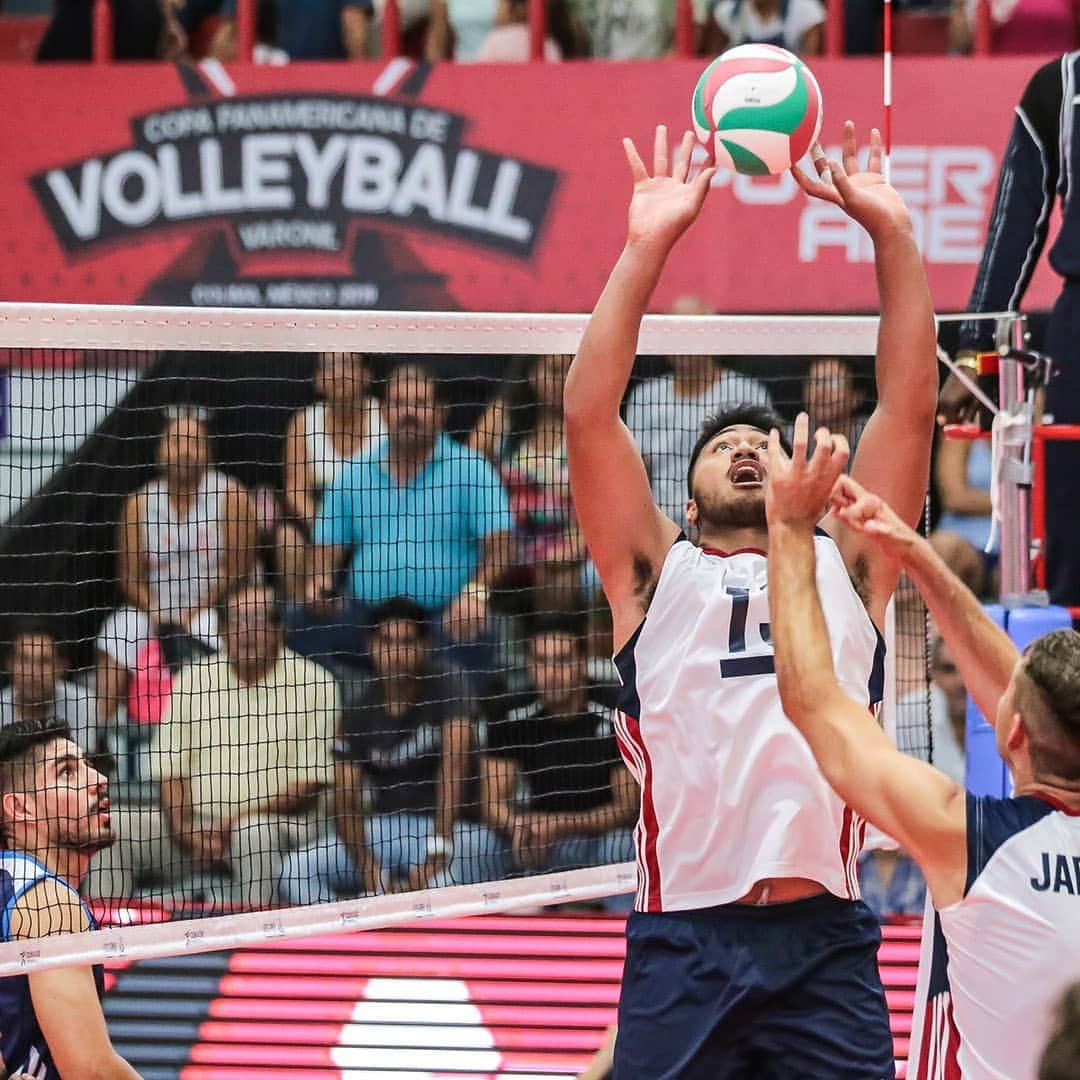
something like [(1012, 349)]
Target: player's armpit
[(626, 533), (924, 810)]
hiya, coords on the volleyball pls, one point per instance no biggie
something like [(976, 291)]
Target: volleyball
[(761, 107)]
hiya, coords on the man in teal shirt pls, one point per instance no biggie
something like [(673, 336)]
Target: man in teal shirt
[(421, 516)]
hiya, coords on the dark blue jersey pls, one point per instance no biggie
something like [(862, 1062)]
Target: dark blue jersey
[(22, 1044), (1041, 163)]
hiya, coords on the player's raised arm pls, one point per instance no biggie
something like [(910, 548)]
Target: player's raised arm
[(909, 800), (893, 457), (985, 655), (626, 533)]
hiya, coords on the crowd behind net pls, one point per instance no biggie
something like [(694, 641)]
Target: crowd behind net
[(312, 595)]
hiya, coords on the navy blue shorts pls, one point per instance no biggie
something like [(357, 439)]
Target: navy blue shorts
[(771, 992)]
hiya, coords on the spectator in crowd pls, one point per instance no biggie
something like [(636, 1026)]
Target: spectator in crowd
[(185, 539), (38, 690), (1061, 1058), (833, 399), (422, 516), (307, 30), (948, 712), (345, 422), (628, 29), (522, 434), (554, 784), (402, 760), (324, 437), (891, 883), (665, 414), (962, 474), (243, 757), (796, 25), (1017, 27), (142, 30), (508, 39)]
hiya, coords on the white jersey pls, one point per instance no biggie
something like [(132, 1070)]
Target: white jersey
[(1012, 943), (323, 458), (185, 551), (730, 792)]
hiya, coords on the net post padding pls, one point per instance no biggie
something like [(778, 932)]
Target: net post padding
[(248, 928)]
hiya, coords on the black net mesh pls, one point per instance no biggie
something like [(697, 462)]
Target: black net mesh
[(315, 662)]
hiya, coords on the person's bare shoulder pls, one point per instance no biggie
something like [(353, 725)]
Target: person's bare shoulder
[(48, 908)]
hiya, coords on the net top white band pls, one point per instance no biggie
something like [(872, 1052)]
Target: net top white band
[(151, 939), (100, 326)]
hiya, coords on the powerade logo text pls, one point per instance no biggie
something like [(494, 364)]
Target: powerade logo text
[(290, 172)]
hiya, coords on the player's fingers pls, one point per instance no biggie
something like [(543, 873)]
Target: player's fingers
[(850, 148), (800, 438), (844, 190), (660, 151), (777, 455), (816, 188), (682, 159), (874, 163), (817, 156), (704, 179), (637, 166)]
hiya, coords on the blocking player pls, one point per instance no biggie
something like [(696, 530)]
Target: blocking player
[(1003, 873), (748, 953), (54, 812)]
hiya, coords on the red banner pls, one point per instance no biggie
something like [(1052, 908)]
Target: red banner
[(455, 187)]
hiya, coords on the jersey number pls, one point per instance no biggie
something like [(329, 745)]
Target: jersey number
[(736, 665)]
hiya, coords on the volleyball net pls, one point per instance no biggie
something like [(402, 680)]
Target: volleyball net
[(308, 588)]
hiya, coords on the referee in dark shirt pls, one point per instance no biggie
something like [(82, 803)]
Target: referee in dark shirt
[(1041, 164)]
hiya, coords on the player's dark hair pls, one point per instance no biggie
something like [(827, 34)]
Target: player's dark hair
[(1052, 667), (757, 416), (573, 624), (1061, 1058), (406, 609), (20, 742)]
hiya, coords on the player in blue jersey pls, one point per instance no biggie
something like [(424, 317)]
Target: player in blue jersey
[(54, 813), (1003, 873)]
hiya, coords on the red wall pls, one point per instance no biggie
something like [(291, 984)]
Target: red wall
[(462, 186)]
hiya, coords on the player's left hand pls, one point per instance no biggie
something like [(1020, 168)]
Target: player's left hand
[(863, 194), (799, 486)]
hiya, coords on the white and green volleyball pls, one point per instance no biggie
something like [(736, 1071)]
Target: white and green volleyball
[(761, 107)]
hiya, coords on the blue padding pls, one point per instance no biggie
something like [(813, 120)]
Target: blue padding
[(986, 772)]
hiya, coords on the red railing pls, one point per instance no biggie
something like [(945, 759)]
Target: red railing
[(685, 29)]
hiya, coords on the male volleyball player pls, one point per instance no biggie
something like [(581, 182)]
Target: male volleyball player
[(54, 812), (1004, 874), (749, 953)]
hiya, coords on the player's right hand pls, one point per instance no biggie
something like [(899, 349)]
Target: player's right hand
[(664, 203), (870, 515), (956, 403)]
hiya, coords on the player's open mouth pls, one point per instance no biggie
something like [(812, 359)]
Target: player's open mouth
[(747, 474)]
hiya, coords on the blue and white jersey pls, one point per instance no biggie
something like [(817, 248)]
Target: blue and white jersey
[(1013, 941), (22, 1045)]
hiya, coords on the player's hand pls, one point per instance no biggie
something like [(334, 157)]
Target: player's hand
[(863, 195), (799, 486), (866, 513), (667, 201)]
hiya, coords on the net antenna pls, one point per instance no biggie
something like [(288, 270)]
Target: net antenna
[(107, 378), (887, 89)]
